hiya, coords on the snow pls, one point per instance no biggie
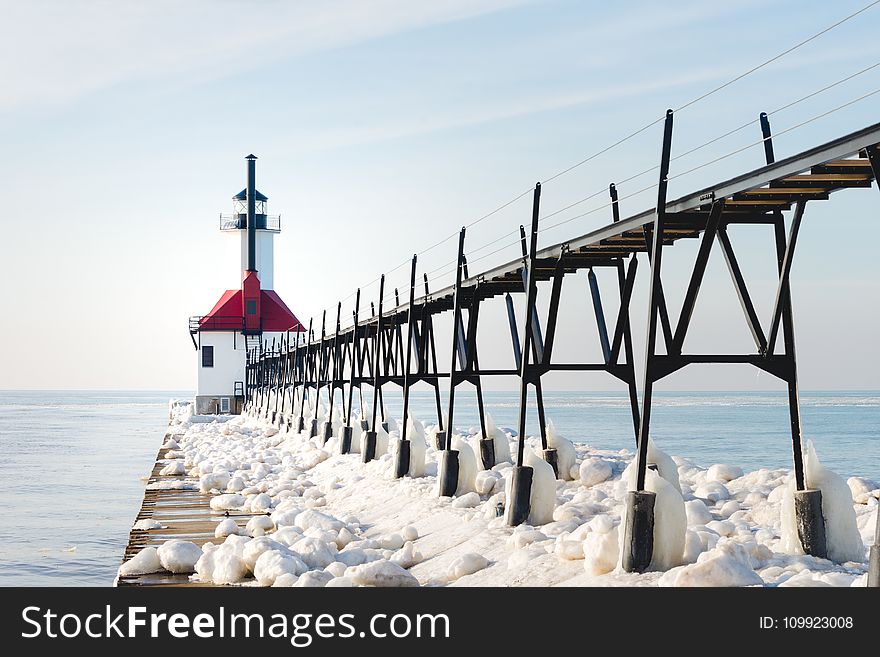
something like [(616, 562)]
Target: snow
[(179, 556), (335, 521)]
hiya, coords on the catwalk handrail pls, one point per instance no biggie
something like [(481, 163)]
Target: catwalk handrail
[(842, 147)]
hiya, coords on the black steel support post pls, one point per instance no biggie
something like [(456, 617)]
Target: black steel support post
[(319, 371), (519, 504), (448, 467), (638, 541), (402, 457), (345, 443), (428, 339), (874, 561), (369, 447), (301, 420), (327, 427), (625, 281)]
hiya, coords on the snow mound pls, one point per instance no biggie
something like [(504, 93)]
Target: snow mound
[(381, 573), (466, 564), (145, 524), (594, 471), (601, 548), (273, 564), (225, 527), (175, 467), (726, 565), (179, 556), (143, 563), (723, 473)]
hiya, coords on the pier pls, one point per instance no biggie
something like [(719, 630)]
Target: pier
[(396, 345)]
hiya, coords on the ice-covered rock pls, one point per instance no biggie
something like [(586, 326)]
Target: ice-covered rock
[(726, 565)]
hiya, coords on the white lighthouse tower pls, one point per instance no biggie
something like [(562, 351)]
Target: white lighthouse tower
[(242, 319)]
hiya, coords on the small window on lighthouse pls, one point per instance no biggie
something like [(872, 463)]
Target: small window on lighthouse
[(207, 356), (251, 306)]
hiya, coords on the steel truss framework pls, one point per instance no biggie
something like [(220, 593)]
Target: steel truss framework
[(397, 346)]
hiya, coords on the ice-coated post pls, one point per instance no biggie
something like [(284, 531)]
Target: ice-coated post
[(448, 469), (487, 453), (519, 507), (401, 464), (519, 504), (440, 440), (313, 427), (552, 458), (874, 561), (638, 535), (638, 544), (369, 451), (326, 431), (810, 522), (345, 443), (448, 473)]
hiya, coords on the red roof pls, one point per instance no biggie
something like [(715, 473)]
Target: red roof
[(228, 314)]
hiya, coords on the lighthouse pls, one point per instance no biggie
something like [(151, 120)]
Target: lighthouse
[(244, 318)]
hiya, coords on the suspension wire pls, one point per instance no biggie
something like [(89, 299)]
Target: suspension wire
[(645, 127), (716, 139), (779, 56), (781, 132)]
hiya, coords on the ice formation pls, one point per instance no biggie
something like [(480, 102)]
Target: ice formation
[(328, 519), (467, 464), (565, 452), (843, 541), (543, 496), (500, 440)]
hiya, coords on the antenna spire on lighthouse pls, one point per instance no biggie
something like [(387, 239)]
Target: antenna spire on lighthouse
[(251, 211)]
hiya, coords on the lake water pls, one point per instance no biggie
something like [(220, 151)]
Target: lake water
[(72, 461)]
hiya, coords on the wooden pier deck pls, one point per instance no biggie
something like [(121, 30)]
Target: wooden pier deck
[(185, 514)]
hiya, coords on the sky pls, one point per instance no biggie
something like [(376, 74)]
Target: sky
[(381, 128)]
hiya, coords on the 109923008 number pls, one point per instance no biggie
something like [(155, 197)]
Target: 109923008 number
[(817, 622)]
